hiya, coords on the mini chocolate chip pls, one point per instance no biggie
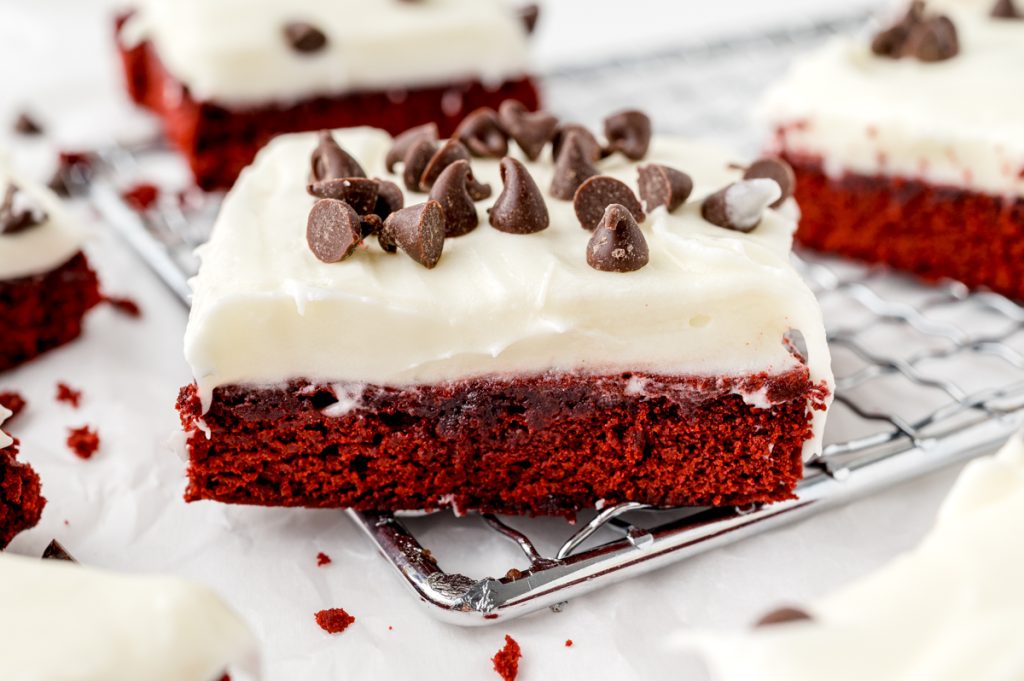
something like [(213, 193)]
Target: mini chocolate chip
[(389, 199), (933, 40), (331, 162), (26, 125), (741, 205), (450, 191), (628, 132), (418, 230), (18, 212), (783, 616), (402, 143), (572, 168), (617, 245), (530, 130), (333, 230), (1005, 9), (304, 37), (370, 224), (529, 15), (774, 169), (417, 156), (589, 143), (56, 551), (482, 134), (520, 208), (661, 185), (451, 151), (597, 193), (358, 192)]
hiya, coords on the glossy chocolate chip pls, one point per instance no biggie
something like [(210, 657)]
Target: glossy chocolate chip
[(304, 37), (389, 199), (417, 156), (783, 616), (451, 151), (482, 134), (358, 192), (1006, 9), (56, 551), (933, 40), (26, 125), (418, 230), (774, 169), (661, 185), (572, 168), (617, 245), (741, 205), (629, 133), (450, 190), (333, 230), (370, 224), (531, 130), (18, 211), (520, 208), (597, 193), (331, 162), (529, 14), (401, 145), (589, 144)]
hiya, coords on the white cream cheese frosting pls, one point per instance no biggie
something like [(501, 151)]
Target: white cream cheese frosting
[(958, 122), (951, 609), (5, 439), (42, 247), (711, 301), (65, 622), (234, 52)]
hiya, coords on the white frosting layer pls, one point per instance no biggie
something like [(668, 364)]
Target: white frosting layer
[(958, 122), (5, 439), (234, 51), (710, 302), (952, 609), (66, 622), (43, 247)]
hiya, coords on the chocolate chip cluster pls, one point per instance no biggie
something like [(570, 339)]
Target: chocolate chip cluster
[(927, 38), (18, 212)]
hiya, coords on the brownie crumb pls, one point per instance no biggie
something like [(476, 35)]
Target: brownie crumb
[(141, 196), (334, 620), (83, 441), (12, 402), (568, 643), (66, 393), (506, 660), (322, 559), (124, 305)]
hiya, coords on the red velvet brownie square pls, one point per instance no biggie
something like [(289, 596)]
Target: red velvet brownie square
[(476, 342), (908, 145), (21, 501), (226, 79)]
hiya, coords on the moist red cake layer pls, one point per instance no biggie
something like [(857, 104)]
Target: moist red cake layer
[(930, 230), (43, 311), (548, 445), (219, 141), (21, 500)]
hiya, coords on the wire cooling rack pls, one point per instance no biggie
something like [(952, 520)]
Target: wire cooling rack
[(927, 376)]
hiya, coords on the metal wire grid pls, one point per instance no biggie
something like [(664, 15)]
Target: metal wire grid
[(903, 355)]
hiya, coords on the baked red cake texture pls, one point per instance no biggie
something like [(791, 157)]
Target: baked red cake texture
[(506, 660), (21, 499), (334, 620), (83, 442)]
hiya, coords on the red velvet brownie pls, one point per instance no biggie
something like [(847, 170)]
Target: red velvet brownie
[(522, 353), (46, 284), (21, 502), (226, 79), (908, 145)]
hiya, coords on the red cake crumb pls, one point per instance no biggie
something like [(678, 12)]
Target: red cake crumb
[(141, 196), (21, 500), (506, 660), (83, 441), (124, 305), (334, 620), (568, 643), (13, 402), (390, 628), (322, 559), (66, 393)]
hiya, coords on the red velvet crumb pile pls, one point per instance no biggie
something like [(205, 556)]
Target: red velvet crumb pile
[(322, 559), (12, 401), (506, 660), (65, 393), (83, 441), (334, 620)]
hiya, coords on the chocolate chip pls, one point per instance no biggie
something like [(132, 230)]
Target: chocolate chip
[(417, 156), (400, 147), (1005, 9), (451, 151), (933, 40), (418, 230), (450, 191), (529, 15), (56, 551), (597, 193), (783, 616), (370, 224), (389, 199), (628, 132), (304, 37), (333, 230), (482, 134), (741, 205), (26, 125), (530, 130), (572, 168), (774, 169), (358, 192), (520, 208), (661, 185), (478, 191), (589, 143), (18, 212), (331, 162), (617, 245)]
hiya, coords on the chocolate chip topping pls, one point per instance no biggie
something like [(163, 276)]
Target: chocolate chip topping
[(572, 167), (529, 14), (451, 151), (418, 230), (589, 144), (451, 192), (18, 212), (617, 245), (331, 162), (661, 185), (928, 39), (389, 199), (520, 208), (741, 205), (417, 156), (774, 169), (370, 224), (400, 147), (26, 125), (1006, 9), (783, 616), (482, 134), (358, 192), (597, 193), (530, 130), (304, 37), (628, 132), (56, 551), (333, 230)]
